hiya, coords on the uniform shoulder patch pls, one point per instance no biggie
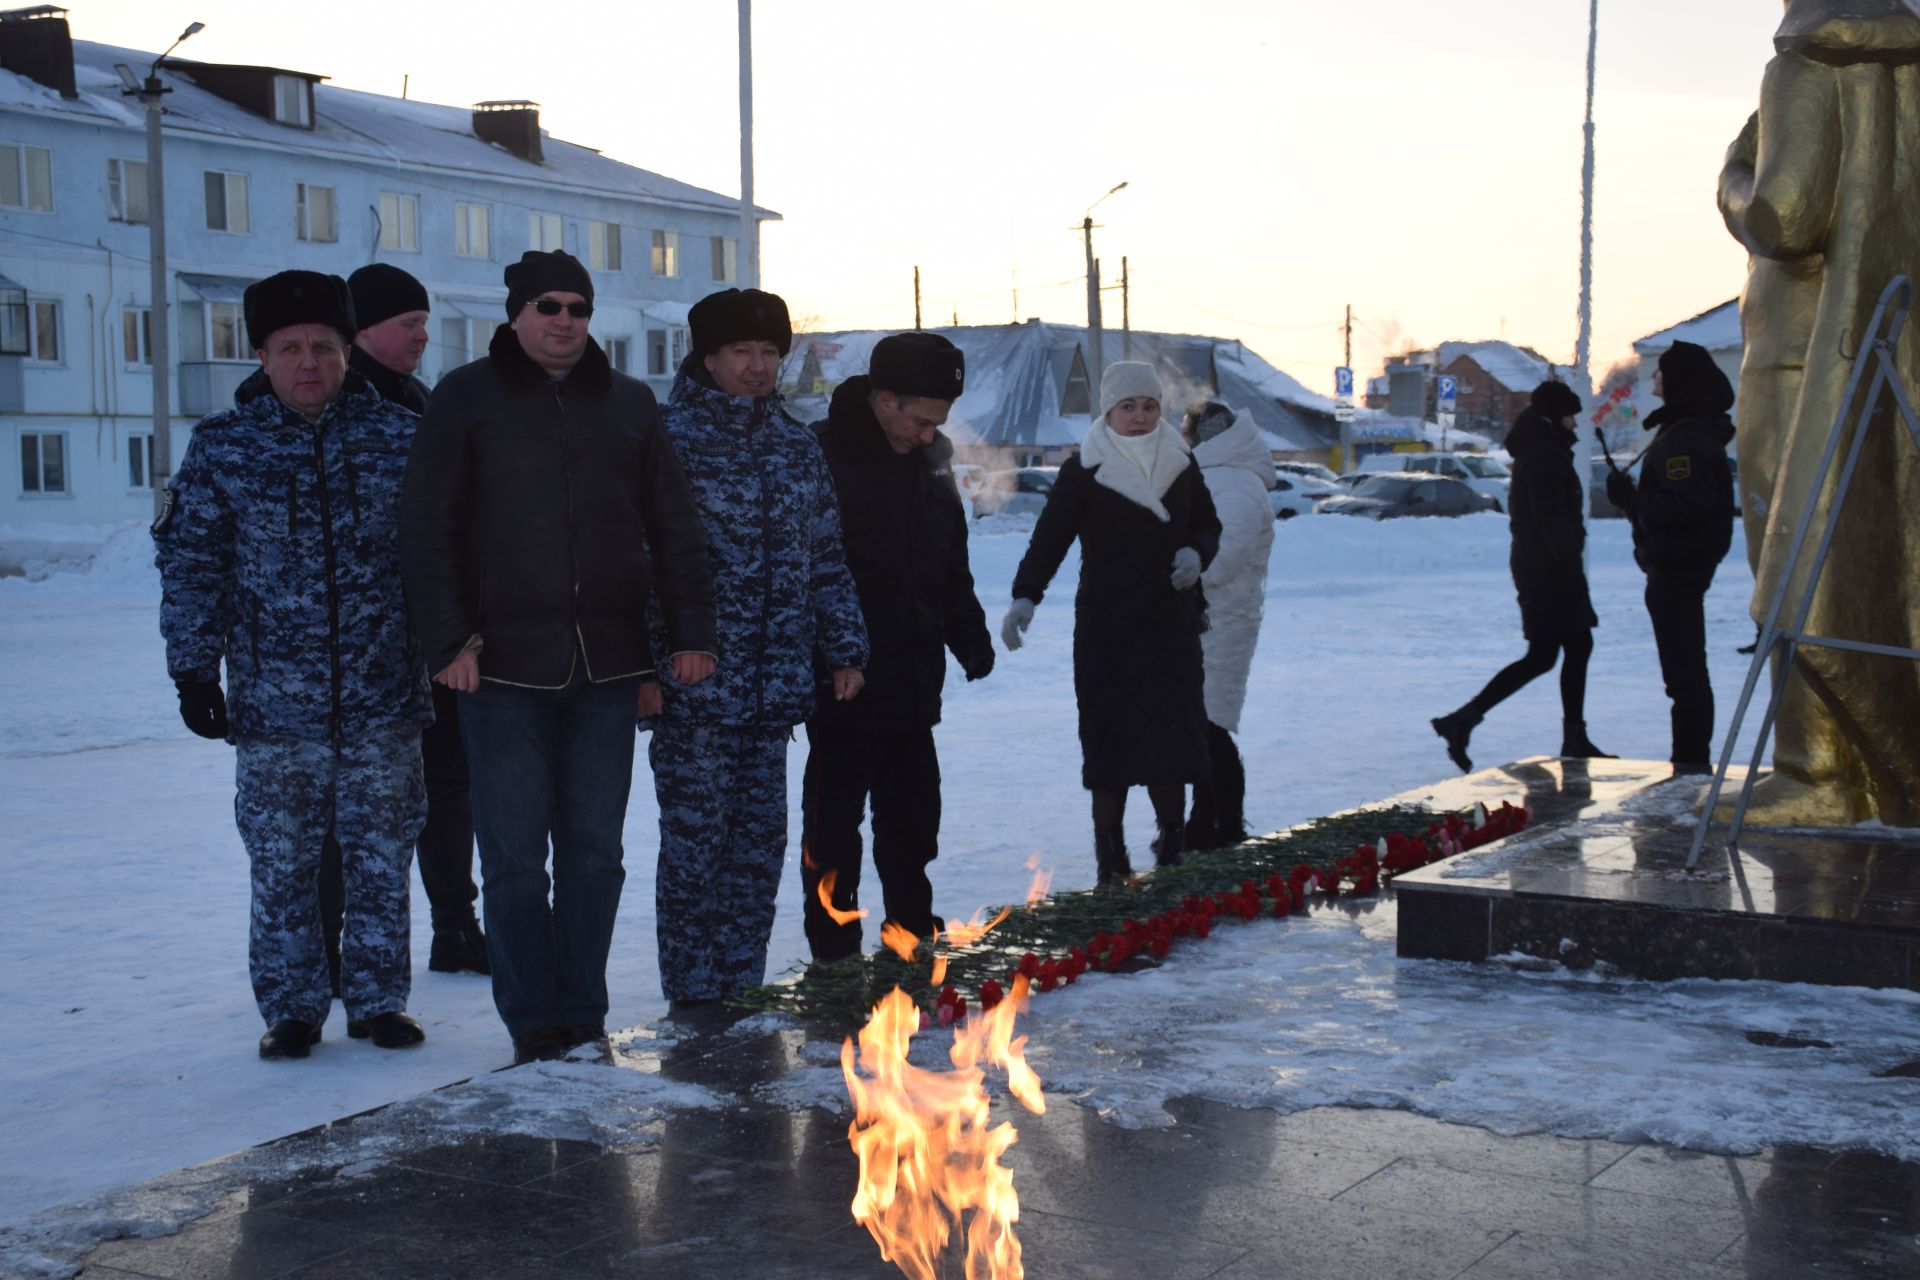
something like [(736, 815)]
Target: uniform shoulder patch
[(1679, 468), (164, 516)]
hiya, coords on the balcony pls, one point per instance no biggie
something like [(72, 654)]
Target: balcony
[(207, 386)]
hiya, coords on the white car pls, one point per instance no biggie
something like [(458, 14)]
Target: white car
[(1293, 495)]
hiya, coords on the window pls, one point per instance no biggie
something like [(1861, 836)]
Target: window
[(127, 190), (26, 177), (472, 232), (603, 246), (543, 231), (13, 322), (212, 331), (43, 462), (136, 337), (313, 214), (43, 332), (616, 349), (726, 259), (666, 253), (292, 101), (399, 222), (656, 353), (682, 339), (140, 461), (227, 202)]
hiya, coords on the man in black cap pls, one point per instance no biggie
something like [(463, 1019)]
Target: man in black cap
[(543, 507), (906, 544), (1682, 512), (278, 561), (392, 308)]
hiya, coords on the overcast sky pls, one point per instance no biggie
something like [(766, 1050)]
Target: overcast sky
[(1419, 160)]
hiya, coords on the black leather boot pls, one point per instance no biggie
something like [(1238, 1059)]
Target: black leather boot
[(390, 1030), (462, 949), (1167, 846), (1110, 857), (1456, 727), (1576, 745), (289, 1038)]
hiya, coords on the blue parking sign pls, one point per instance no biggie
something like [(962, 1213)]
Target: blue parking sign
[(1342, 381), (1448, 385)]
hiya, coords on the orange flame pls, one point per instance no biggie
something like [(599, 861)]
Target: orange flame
[(928, 1158), (1042, 881), (824, 891), (964, 935), (900, 940), (939, 970)]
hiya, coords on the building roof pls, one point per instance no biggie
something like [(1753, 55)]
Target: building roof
[(1018, 375), (1514, 367), (350, 126), (1716, 329)]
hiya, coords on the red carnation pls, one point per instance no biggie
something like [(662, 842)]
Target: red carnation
[(991, 994), (1029, 964)]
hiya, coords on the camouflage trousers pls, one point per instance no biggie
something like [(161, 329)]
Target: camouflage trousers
[(723, 842), (288, 794)]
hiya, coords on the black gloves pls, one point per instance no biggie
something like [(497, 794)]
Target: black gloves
[(203, 707), (979, 664), (1620, 491)]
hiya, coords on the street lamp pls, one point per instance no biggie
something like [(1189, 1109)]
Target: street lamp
[(150, 92), (1094, 343)]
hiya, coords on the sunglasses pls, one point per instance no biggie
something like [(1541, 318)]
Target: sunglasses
[(548, 307)]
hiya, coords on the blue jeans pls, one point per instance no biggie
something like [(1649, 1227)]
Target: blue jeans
[(550, 765)]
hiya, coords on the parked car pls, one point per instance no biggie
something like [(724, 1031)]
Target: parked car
[(1019, 492), (1477, 471), (1293, 495), (1413, 493), (1312, 472)]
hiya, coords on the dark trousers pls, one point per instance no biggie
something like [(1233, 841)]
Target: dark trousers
[(1537, 661), (1676, 603), (445, 851), (900, 771), (1219, 804), (550, 767)]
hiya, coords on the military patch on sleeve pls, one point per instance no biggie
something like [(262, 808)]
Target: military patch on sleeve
[(1679, 468), (165, 514)]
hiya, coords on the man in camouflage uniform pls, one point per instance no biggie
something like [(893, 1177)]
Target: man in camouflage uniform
[(278, 557), (781, 590)]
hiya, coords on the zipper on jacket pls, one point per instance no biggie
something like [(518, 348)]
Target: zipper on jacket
[(293, 502), (333, 586), (573, 543), (766, 580)]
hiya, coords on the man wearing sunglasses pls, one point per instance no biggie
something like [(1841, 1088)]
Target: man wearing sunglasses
[(543, 505)]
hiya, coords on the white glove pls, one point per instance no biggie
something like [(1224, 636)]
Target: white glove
[(1019, 617), (1186, 568)]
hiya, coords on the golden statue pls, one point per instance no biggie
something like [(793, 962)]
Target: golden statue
[(1823, 188)]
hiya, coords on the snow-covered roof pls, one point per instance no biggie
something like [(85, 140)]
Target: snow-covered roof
[(349, 125), (1018, 375), (1716, 329), (1513, 367)]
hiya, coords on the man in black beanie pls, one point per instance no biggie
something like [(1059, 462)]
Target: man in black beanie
[(294, 488), (1682, 512), (392, 308), (906, 543)]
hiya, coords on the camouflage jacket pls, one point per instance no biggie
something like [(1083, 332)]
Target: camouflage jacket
[(279, 555), (780, 581)]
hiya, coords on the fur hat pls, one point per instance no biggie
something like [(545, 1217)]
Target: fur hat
[(739, 315), (381, 292), (1127, 379), (1555, 399), (296, 297), (918, 364), (537, 273)]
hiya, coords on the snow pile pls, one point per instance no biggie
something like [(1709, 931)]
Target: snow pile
[(36, 550)]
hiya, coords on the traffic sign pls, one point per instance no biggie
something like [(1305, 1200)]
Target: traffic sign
[(1343, 413), (1343, 382), (1448, 385)]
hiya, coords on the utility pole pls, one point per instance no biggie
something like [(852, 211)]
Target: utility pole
[(1348, 348), (916, 296), (749, 252), (1126, 313), (1093, 293)]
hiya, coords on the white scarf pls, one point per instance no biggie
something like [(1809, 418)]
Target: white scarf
[(1139, 468)]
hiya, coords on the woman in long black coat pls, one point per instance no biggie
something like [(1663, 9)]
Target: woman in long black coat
[(1545, 505), (1135, 500)]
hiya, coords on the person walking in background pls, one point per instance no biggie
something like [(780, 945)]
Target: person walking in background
[(1682, 512), (1135, 500), (544, 505), (1238, 469), (1546, 503), (278, 560), (782, 592), (905, 528)]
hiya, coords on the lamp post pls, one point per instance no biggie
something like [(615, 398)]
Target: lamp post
[(1093, 300), (150, 92), (1582, 344)]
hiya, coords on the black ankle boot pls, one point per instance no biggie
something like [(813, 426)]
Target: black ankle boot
[(1456, 727), (1110, 857), (1576, 745), (1166, 847)]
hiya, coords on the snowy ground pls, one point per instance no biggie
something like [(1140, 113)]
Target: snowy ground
[(130, 1026)]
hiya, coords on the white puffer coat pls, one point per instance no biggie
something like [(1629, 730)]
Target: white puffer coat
[(1238, 470)]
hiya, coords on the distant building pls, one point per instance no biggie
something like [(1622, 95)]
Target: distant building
[(1493, 382), (269, 168), (1030, 398)]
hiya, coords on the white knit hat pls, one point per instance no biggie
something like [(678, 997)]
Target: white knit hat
[(1125, 379)]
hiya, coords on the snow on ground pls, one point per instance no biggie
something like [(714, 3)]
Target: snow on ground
[(123, 987)]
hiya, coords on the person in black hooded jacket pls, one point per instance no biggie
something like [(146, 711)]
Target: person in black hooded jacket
[(1682, 512), (904, 528), (1545, 506)]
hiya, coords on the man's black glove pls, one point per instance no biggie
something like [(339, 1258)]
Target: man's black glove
[(203, 707), (1620, 491), (978, 664)]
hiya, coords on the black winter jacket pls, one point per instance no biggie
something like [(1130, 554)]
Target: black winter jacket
[(1683, 505), (1545, 506), (904, 528), (402, 389), (529, 505)]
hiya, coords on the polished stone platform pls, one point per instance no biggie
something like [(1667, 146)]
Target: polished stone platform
[(1600, 878)]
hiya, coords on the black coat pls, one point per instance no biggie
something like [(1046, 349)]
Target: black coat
[(528, 509), (904, 530), (1683, 507), (1546, 503), (402, 389), (1137, 669)]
